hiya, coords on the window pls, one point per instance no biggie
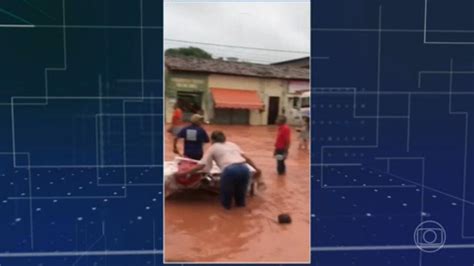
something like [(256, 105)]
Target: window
[(295, 102), (305, 102)]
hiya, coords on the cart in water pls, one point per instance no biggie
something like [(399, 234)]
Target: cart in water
[(208, 179)]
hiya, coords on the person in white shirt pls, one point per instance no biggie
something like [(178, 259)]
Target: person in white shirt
[(235, 174)]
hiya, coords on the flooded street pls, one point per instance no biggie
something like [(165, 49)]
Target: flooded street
[(199, 229)]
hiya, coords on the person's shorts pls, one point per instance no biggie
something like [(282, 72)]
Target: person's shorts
[(175, 130)]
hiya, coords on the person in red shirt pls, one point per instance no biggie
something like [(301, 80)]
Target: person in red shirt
[(176, 120), (282, 144)]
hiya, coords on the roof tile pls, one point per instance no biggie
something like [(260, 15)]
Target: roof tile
[(217, 66)]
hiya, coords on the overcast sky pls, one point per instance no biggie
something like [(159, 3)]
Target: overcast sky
[(282, 26)]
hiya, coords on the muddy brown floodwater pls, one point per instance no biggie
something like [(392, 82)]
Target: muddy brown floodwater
[(198, 229)]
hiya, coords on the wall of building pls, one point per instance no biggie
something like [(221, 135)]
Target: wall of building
[(196, 82), (264, 87)]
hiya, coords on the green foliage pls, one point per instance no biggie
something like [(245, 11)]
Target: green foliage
[(189, 51)]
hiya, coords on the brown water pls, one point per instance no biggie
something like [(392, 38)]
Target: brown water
[(198, 229)]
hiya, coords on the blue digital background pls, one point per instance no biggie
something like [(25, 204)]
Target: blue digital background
[(393, 141), (81, 137), (392, 121)]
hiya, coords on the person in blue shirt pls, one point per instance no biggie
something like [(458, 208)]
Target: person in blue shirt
[(194, 138)]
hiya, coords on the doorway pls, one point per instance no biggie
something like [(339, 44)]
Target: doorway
[(273, 109), (190, 103)]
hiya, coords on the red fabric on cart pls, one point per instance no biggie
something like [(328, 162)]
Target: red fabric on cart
[(183, 180)]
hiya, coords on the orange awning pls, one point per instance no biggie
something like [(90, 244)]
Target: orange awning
[(236, 99)]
